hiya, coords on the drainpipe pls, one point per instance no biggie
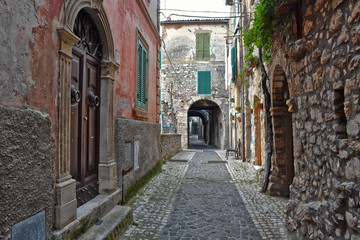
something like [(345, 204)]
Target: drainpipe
[(172, 108), (243, 90)]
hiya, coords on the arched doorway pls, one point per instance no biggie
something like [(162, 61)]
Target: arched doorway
[(85, 108), (211, 123), (102, 145), (283, 164)]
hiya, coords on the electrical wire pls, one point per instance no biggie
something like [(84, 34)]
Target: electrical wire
[(183, 10), (207, 17)]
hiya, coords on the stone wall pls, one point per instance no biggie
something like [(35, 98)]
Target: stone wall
[(170, 145), (180, 69), (25, 167), (137, 153), (323, 76)]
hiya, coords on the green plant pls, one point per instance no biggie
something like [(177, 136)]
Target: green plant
[(237, 108), (261, 30)]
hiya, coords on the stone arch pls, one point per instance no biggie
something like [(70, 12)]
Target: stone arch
[(211, 114), (283, 159), (96, 10), (65, 204)]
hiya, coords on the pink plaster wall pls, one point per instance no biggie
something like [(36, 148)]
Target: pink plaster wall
[(127, 21)]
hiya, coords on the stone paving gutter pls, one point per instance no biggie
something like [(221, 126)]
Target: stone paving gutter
[(153, 204)]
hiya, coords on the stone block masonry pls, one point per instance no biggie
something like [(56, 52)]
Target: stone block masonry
[(170, 145), (137, 153), (324, 85)]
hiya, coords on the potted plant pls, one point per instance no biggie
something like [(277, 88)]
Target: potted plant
[(251, 110), (248, 73), (252, 60), (239, 119), (232, 117), (237, 108)]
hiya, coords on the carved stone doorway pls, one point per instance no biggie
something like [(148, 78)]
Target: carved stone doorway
[(85, 108)]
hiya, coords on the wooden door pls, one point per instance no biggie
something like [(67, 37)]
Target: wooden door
[(85, 87)]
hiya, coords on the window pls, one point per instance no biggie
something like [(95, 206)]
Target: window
[(203, 46), (204, 82), (142, 59)]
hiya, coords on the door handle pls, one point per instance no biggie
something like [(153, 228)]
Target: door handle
[(94, 100), (75, 95)]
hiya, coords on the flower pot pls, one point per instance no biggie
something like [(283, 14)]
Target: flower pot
[(283, 9), (248, 73), (239, 119), (252, 64), (260, 105), (251, 111)]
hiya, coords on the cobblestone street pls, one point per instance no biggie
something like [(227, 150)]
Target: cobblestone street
[(200, 195)]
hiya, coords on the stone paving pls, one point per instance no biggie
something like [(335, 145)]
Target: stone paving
[(208, 205), (200, 200)]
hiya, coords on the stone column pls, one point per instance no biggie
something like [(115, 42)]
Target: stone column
[(107, 164), (65, 202)]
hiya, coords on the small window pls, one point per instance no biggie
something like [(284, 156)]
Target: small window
[(142, 59), (204, 82), (203, 46)]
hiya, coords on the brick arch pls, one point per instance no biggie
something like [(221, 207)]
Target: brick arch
[(283, 159)]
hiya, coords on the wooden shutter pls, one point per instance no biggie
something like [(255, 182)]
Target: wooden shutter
[(234, 62), (206, 44), (199, 46), (200, 82), (144, 78), (204, 82), (141, 96), (207, 82), (139, 75)]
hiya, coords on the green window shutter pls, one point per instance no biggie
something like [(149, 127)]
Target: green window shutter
[(207, 83), (203, 46), (204, 82), (141, 97), (200, 82), (206, 48), (199, 46), (139, 75), (236, 60), (233, 63)]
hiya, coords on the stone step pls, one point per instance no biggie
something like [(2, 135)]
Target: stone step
[(111, 226)]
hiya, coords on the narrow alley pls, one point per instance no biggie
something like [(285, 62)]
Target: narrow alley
[(201, 195)]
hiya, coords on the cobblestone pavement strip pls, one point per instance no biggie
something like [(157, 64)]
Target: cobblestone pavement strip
[(208, 205), (152, 205), (203, 182), (266, 211)]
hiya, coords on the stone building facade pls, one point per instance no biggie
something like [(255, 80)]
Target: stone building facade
[(76, 115), (193, 78), (314, 83)]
